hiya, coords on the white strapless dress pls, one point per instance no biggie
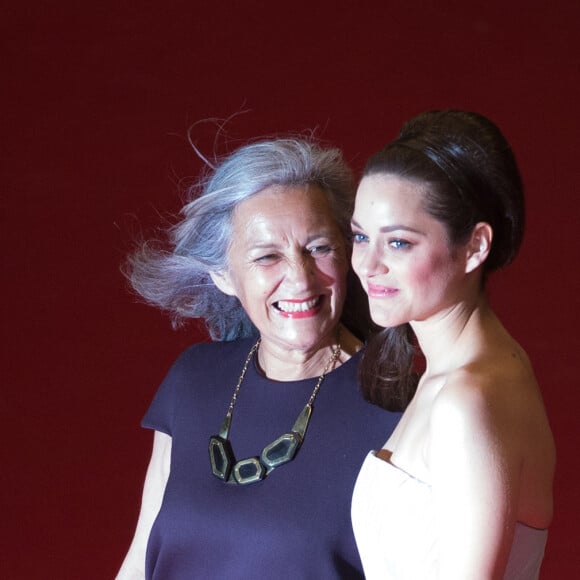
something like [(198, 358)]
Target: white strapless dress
[(396, 534)]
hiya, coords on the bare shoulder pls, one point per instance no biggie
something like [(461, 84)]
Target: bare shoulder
[(476, 430), (496, 395), (463, 402), (489, 419), (501, 373), (496, 398)]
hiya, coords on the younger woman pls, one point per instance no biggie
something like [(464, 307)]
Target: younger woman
[(462, 490)]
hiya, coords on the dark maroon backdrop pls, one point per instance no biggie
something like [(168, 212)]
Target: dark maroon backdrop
[(97, 101)]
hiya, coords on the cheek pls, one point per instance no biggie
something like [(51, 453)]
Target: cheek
[(253, 285), (430, 270), (263, 281)]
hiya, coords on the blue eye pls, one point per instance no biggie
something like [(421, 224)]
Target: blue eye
[(399, 244), (358, 238)]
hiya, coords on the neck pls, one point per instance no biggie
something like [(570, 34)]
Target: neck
[(447, 338), (281, 364)]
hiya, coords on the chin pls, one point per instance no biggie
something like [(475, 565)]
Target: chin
[(306, 338), (386, 321)]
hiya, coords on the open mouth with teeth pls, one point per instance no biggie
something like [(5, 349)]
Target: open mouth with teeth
[(299, 308)]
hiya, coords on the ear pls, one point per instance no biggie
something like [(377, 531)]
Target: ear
[(479, 246), (223, 281)]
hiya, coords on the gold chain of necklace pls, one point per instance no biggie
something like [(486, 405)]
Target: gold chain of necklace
[(333, 358), (281, 451)]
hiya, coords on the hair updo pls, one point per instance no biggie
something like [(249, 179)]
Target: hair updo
[(471, 176)]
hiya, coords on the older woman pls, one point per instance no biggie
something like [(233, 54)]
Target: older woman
[(258, 435), (463, 488)]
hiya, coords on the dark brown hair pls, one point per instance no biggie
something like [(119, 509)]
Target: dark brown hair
[(471, 176)]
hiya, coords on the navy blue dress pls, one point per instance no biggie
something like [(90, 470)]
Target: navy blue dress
[(295, 524)]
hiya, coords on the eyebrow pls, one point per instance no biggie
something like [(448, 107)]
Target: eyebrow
[(325, 235), (393, 228)]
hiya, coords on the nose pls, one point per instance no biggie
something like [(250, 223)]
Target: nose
[(300, 270), (367, 261)]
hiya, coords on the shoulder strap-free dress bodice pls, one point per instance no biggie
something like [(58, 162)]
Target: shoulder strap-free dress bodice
[(396, 530)]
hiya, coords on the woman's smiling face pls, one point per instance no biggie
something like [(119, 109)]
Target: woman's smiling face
[(402, 254), (288, 265)]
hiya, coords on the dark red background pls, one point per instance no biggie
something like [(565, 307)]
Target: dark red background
[(97, 101)]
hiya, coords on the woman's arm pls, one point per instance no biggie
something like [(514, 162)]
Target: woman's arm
[(475, 462), (133, 567)]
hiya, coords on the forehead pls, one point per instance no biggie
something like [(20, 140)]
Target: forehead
[(282, 207), (382, 189), (386, 202)]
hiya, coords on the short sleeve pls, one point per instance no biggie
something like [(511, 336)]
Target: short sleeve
[(161, 413)]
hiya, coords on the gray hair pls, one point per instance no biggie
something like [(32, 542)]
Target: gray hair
[(176, 277)]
